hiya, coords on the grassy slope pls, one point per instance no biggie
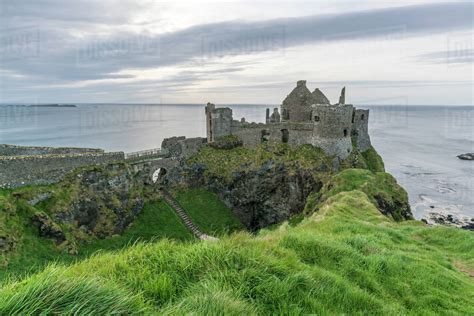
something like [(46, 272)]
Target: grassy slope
[(347, 258), (157, 220), (209, 213), (32, 252), (374, 184)]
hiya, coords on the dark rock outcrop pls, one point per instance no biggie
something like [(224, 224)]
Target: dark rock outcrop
[(440, 218), (105, 201), (48, 228), (391, 206), (6, 243), (259, 198)]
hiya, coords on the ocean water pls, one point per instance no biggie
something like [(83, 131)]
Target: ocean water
[(419, 144)]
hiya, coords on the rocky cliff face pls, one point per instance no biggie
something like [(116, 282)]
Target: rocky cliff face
[(263, 186), (90, 202), (105, 203), (259, 197), (268, 185)]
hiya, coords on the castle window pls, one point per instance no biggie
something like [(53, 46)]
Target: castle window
[(285, 136), (316, 118), (345, 133), (353, 116), (362, 117), (265, 135)]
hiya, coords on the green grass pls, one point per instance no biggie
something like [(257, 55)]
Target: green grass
[(381, 188), (373, 160), (157, 220), (345, 259), (209, 213), (224, 162)]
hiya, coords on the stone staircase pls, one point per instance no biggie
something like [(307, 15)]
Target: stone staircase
[(184, 216)]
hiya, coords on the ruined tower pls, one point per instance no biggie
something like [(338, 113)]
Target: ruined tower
[(297, 105), (305, 118), (218, 122)]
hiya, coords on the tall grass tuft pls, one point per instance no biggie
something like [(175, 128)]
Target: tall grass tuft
[(54, 292)]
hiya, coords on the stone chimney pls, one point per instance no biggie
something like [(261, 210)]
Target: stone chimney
[(342, 98), (301, 83)]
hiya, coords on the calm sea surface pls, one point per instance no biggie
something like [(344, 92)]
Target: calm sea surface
[(418, 144)]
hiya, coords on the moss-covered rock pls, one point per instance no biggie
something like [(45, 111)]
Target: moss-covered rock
[(381, 188), (263, 186), (227, 142)]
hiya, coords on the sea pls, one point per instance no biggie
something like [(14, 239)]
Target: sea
[(419, 144)]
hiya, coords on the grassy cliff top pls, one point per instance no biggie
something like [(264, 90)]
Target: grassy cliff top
[(223, 162), (345, 259)]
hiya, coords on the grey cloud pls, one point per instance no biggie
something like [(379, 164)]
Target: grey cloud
[(59, 55), (453, 56)]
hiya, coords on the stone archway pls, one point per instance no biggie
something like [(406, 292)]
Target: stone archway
[(159, 175)]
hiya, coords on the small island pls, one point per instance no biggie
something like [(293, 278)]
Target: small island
[(467, 156), (55, 105)]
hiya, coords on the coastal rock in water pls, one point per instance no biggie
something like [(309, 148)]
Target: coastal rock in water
[(439, 218), (468, 156)]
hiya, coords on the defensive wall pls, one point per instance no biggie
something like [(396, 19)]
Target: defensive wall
[(16, 171), (14, 150)]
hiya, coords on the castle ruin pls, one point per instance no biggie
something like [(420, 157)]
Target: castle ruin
[(305, 117)]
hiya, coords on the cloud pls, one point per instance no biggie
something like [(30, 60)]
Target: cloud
[(61, 44), (454, 56)]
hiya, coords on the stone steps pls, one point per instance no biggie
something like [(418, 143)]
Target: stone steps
[(184, 216)]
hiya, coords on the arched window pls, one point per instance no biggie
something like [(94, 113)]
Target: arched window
[(345, 133), (316, 118), (285, 136), (362, 117)]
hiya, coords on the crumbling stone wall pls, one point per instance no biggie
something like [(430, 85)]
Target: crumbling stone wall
[(297, 105), (306, 118), (13, 150), (253, 134), (18, 171), (218, 122), (182, 147)]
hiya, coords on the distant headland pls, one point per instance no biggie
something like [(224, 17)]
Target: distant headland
[(51, 105)]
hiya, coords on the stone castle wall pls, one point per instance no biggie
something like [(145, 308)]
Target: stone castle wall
[(183, 147), (306, 118), (218, 122), (360, 128), (13, 150), (332, 121), (253, 134), (18, 171)]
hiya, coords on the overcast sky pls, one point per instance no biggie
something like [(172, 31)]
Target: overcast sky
[(384, 52)]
